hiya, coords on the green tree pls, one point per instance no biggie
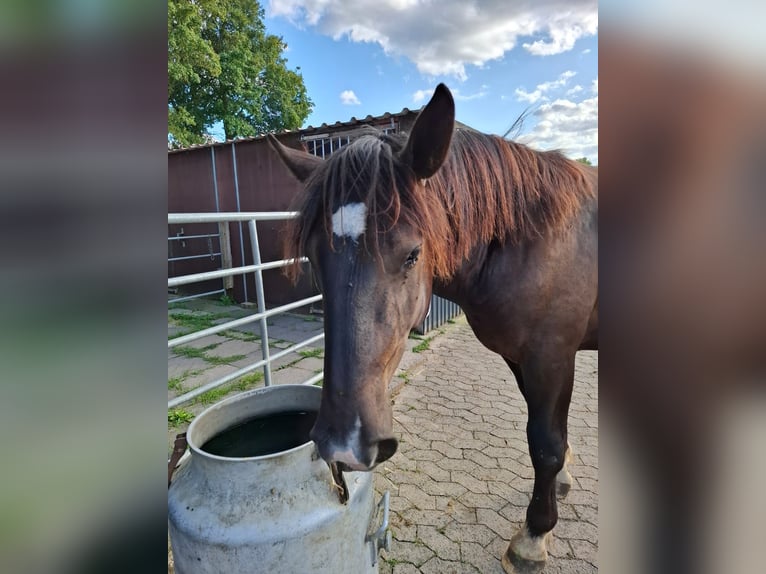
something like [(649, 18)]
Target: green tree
[(584, 160), (224, 67)]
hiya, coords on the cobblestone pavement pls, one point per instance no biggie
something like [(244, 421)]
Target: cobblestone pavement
[(461, 480)]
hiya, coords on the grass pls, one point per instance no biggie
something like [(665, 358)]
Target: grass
[(176, 382), (195, 321), (422, 346), (213, 360), (226, 300), (308, 353), (240, 335), (199, 353), (177, 417), (194, 352), (241, 384)]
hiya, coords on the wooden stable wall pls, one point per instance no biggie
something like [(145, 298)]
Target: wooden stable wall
[(262, 183)]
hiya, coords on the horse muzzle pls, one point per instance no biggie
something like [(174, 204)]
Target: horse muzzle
[(355, 454)]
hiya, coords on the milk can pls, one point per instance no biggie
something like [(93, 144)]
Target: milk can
[(274, 513)]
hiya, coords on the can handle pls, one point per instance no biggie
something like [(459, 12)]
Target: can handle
[(380, 538)]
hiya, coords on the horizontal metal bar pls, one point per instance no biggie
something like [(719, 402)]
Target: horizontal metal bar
[(314, 379), (239, 322), (186, 397), (232, 216), (197, 296), (208, 275), (211, 255), (177, 237)]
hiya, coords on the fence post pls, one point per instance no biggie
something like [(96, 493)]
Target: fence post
[(224, 239), (261, 302)]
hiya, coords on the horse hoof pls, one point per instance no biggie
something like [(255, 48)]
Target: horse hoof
[(526, 554), (513, 564)]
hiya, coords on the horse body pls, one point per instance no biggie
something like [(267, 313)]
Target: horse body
[(508, 233), (556, 300)]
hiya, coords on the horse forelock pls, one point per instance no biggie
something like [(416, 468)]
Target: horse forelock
[(488, 189)]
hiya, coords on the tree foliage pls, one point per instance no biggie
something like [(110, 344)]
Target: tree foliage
[(224, 67), (584, 160)]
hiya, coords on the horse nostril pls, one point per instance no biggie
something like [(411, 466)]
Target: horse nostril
[(386, 449)]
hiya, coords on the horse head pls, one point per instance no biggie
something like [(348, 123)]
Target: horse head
[(359, 228)]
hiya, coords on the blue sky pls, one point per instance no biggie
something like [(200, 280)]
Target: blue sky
[(361, 57)]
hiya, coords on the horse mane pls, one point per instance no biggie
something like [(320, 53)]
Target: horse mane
[(488, 189)]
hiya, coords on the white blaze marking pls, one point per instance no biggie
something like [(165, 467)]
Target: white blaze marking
[(347, 455), (350, 220)]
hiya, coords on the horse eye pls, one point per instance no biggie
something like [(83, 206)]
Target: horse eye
[(412, 258)]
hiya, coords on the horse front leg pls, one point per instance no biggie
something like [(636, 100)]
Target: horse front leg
[(563, 478), (548, 390)]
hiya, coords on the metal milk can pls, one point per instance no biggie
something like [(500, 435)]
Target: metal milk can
[(279, 513)]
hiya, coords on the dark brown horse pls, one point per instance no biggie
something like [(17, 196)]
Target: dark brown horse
[(506, 232)]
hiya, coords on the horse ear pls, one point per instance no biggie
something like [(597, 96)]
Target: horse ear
[(300, 163), (431, 135)]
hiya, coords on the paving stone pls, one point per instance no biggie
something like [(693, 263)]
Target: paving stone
[(484, 562), (470, 482), (442, 546), (418, 498), (498, 524), (469, 533), (439, 566), (437, 518), (413, 552), (405, 569), (585, 550)]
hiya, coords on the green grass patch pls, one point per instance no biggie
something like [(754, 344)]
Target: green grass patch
[(194, 352), (226, 300), (241, 384), (422, 346), (200, 353), (177, 417), (194, 321), (308, 353), (213, 360), (174, 383), (240, 335)]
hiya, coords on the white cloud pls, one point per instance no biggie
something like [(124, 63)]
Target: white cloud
[(464, 33), (530, 97), (574, 90), (539, 92), (563, 32), (348, 98), (421, 95), (586, 51), (456, 93), (569, 126)]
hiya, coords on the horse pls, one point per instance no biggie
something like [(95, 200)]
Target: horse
[(506, 232)]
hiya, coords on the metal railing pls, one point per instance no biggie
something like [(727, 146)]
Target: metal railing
[(261, 316)]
